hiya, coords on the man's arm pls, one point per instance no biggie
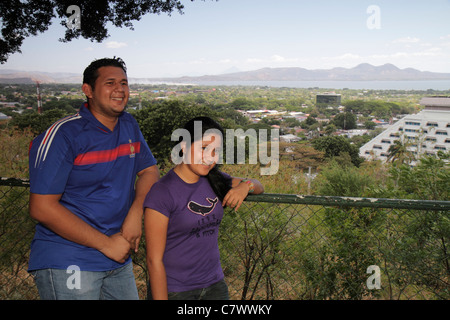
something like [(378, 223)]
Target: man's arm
[(132, 225), (47, 210)]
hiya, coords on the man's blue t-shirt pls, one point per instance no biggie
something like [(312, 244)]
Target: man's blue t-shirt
[(95, 170)]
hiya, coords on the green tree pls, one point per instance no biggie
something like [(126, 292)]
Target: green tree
[(343, 181), (370, 125), (423, 245), (346, 121), (38, 122), (428, 180), (330, 129), (21, 19), (398, 152), (335, 146), (242, 103), (348, 250), (159, 120)]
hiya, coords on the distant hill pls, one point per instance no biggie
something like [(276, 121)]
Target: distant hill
[(28, 77), (362, 72)]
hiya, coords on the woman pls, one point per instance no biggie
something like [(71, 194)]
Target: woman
[(183, 211)]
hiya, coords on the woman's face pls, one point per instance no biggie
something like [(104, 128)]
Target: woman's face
[(204, 154)]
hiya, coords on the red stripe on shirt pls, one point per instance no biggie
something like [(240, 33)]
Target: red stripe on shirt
[(102, 156)]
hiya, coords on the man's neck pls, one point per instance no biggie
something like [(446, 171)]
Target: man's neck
[(107, 120)]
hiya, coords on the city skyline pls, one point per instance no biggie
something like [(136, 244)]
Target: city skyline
[(215, 37)]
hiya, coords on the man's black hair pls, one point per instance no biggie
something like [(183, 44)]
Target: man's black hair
[(90, 74)]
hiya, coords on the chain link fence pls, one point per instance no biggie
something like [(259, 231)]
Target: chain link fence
[(288, 247)]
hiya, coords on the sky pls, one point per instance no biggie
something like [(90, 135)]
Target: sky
[(215, 37)]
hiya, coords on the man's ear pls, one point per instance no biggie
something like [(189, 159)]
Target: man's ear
[(87, 90)]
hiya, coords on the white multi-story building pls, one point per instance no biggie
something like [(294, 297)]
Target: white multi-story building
[(425, 132)]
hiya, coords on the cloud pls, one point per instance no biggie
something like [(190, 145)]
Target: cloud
[(254, 60), (278, 58), (406, 40), (347, 56), (343, 60), (115, 44)]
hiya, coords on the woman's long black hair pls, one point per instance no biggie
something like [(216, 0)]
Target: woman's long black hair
[(219, 183)]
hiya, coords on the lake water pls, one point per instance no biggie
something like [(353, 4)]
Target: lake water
[(439, 85)]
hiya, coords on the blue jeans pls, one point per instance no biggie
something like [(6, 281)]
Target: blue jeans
[(60, 284), (216, 291)]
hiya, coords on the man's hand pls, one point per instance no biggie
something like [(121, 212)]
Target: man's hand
[(47, 210), (117, 248), (132, 227)]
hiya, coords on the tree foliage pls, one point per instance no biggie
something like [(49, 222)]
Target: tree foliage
[(159, 120), (335, 146), (346, 121), (428, 180), (380, 109), (348, 181), (38, 123), (398, 152), (23, 18)]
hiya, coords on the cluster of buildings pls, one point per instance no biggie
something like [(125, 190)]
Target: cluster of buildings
[(426, 132), (329, 100)]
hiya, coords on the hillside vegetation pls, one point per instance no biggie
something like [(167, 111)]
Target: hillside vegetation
[(324, 163)]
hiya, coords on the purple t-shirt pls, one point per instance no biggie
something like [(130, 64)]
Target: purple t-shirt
[(191, 257)]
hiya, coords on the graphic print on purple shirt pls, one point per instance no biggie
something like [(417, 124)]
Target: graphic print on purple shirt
[(202, 210)]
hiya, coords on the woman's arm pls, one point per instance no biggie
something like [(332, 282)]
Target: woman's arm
[(155, 225), (240, 188), (255, 187)]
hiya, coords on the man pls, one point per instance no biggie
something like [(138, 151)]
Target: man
[(85, 195)]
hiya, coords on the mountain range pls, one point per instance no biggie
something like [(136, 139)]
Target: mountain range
[(11, 76), (362, 72)]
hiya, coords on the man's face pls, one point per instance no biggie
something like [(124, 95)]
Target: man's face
[(111, 92)]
